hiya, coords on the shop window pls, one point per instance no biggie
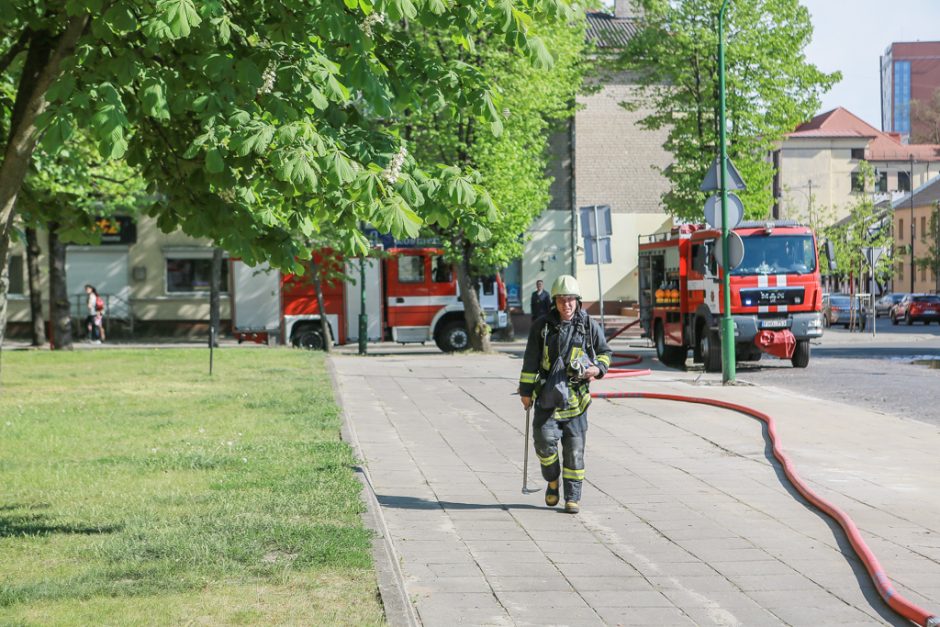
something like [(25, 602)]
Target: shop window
[(904, 182), (881, 184), (858, 182), (17, 284), (185, 275), (410, 269)]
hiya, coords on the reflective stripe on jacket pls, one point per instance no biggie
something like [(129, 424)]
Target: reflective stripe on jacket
[(583, 335)]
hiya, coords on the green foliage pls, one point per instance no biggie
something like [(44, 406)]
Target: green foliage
[(255, 120), (481, 216), (770, 89), (864, 227), (151, 493), (74, 185)]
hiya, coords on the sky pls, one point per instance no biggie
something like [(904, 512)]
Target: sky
[(851, 36)]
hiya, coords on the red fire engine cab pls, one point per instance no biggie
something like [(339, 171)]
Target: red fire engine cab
[(776, 293), (411, 296)]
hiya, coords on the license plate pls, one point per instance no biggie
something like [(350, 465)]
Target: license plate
[(775, 323)]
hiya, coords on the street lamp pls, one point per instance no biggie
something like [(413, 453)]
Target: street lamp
[(912, 222), (727, 324)]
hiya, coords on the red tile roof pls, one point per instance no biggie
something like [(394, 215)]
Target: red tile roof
[(842, 123)]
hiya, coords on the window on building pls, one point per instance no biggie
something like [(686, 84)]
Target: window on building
[(881, 184), (900, 271), (904, 181), (186, 275), (858, 154), (923, 273), (900, 229), (410, 269), (17, 284), (923, 226), (858, 182), (902, 96), (441, 272)]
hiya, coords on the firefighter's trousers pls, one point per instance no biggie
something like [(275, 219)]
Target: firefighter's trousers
[(547, 430)]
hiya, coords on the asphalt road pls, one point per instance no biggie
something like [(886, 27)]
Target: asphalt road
[(877, 372)]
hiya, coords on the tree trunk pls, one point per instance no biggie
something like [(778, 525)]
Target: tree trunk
[(59, 306), (40, 69), (214, 296), (324, 323), (35, 295), (477, 329)]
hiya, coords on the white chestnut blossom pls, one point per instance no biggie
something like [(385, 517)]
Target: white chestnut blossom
[(370, 21), (393, 171), (267, 79)]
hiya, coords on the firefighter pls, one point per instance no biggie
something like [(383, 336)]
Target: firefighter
[(569, 333)]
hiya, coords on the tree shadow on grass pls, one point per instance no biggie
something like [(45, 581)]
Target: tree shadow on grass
[(32, 524)]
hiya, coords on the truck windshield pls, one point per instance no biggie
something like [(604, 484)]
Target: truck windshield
[(777, 254)]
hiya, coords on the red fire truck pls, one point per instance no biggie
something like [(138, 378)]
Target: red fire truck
[(776, 294), (411, 296)]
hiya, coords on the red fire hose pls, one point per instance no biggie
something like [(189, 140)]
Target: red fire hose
[(894, 600)]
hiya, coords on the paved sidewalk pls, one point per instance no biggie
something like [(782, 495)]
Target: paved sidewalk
[(684, 520)]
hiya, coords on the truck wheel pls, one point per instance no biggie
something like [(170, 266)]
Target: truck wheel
[(800, 357), (672, 356), (453, 337), (710, 347), (309, 339)]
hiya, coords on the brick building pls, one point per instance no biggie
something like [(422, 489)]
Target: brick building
[(910, 72)]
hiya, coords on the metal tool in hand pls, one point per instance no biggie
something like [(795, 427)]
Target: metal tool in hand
[(525, 455)]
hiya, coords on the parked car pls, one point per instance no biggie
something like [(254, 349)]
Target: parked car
[(917, 307), (886, 303), (837, 309)]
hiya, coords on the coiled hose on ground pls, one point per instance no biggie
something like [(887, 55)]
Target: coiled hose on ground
[(895, 601)]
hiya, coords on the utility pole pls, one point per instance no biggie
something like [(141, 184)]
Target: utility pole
[(727, 324), (912, 223), (936, 250), (812, 222)]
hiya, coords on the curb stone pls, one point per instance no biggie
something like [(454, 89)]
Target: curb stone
[(399, 611)]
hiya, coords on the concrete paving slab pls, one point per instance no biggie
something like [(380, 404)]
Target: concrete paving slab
[(686, 519)]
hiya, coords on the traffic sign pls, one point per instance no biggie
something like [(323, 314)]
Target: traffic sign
[(873, 254), (735, 251), (589, 220), (712, 180), (713, 211)]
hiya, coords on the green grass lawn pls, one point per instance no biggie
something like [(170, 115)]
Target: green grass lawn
[(135, 489)]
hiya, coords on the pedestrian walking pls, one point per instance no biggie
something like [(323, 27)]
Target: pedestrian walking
[(565, 350), (94, 327), (541, 302)]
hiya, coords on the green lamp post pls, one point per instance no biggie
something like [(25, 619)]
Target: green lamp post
[(727, 324)]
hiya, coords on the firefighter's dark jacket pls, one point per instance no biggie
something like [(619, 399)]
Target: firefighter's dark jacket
[(549, 335)]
